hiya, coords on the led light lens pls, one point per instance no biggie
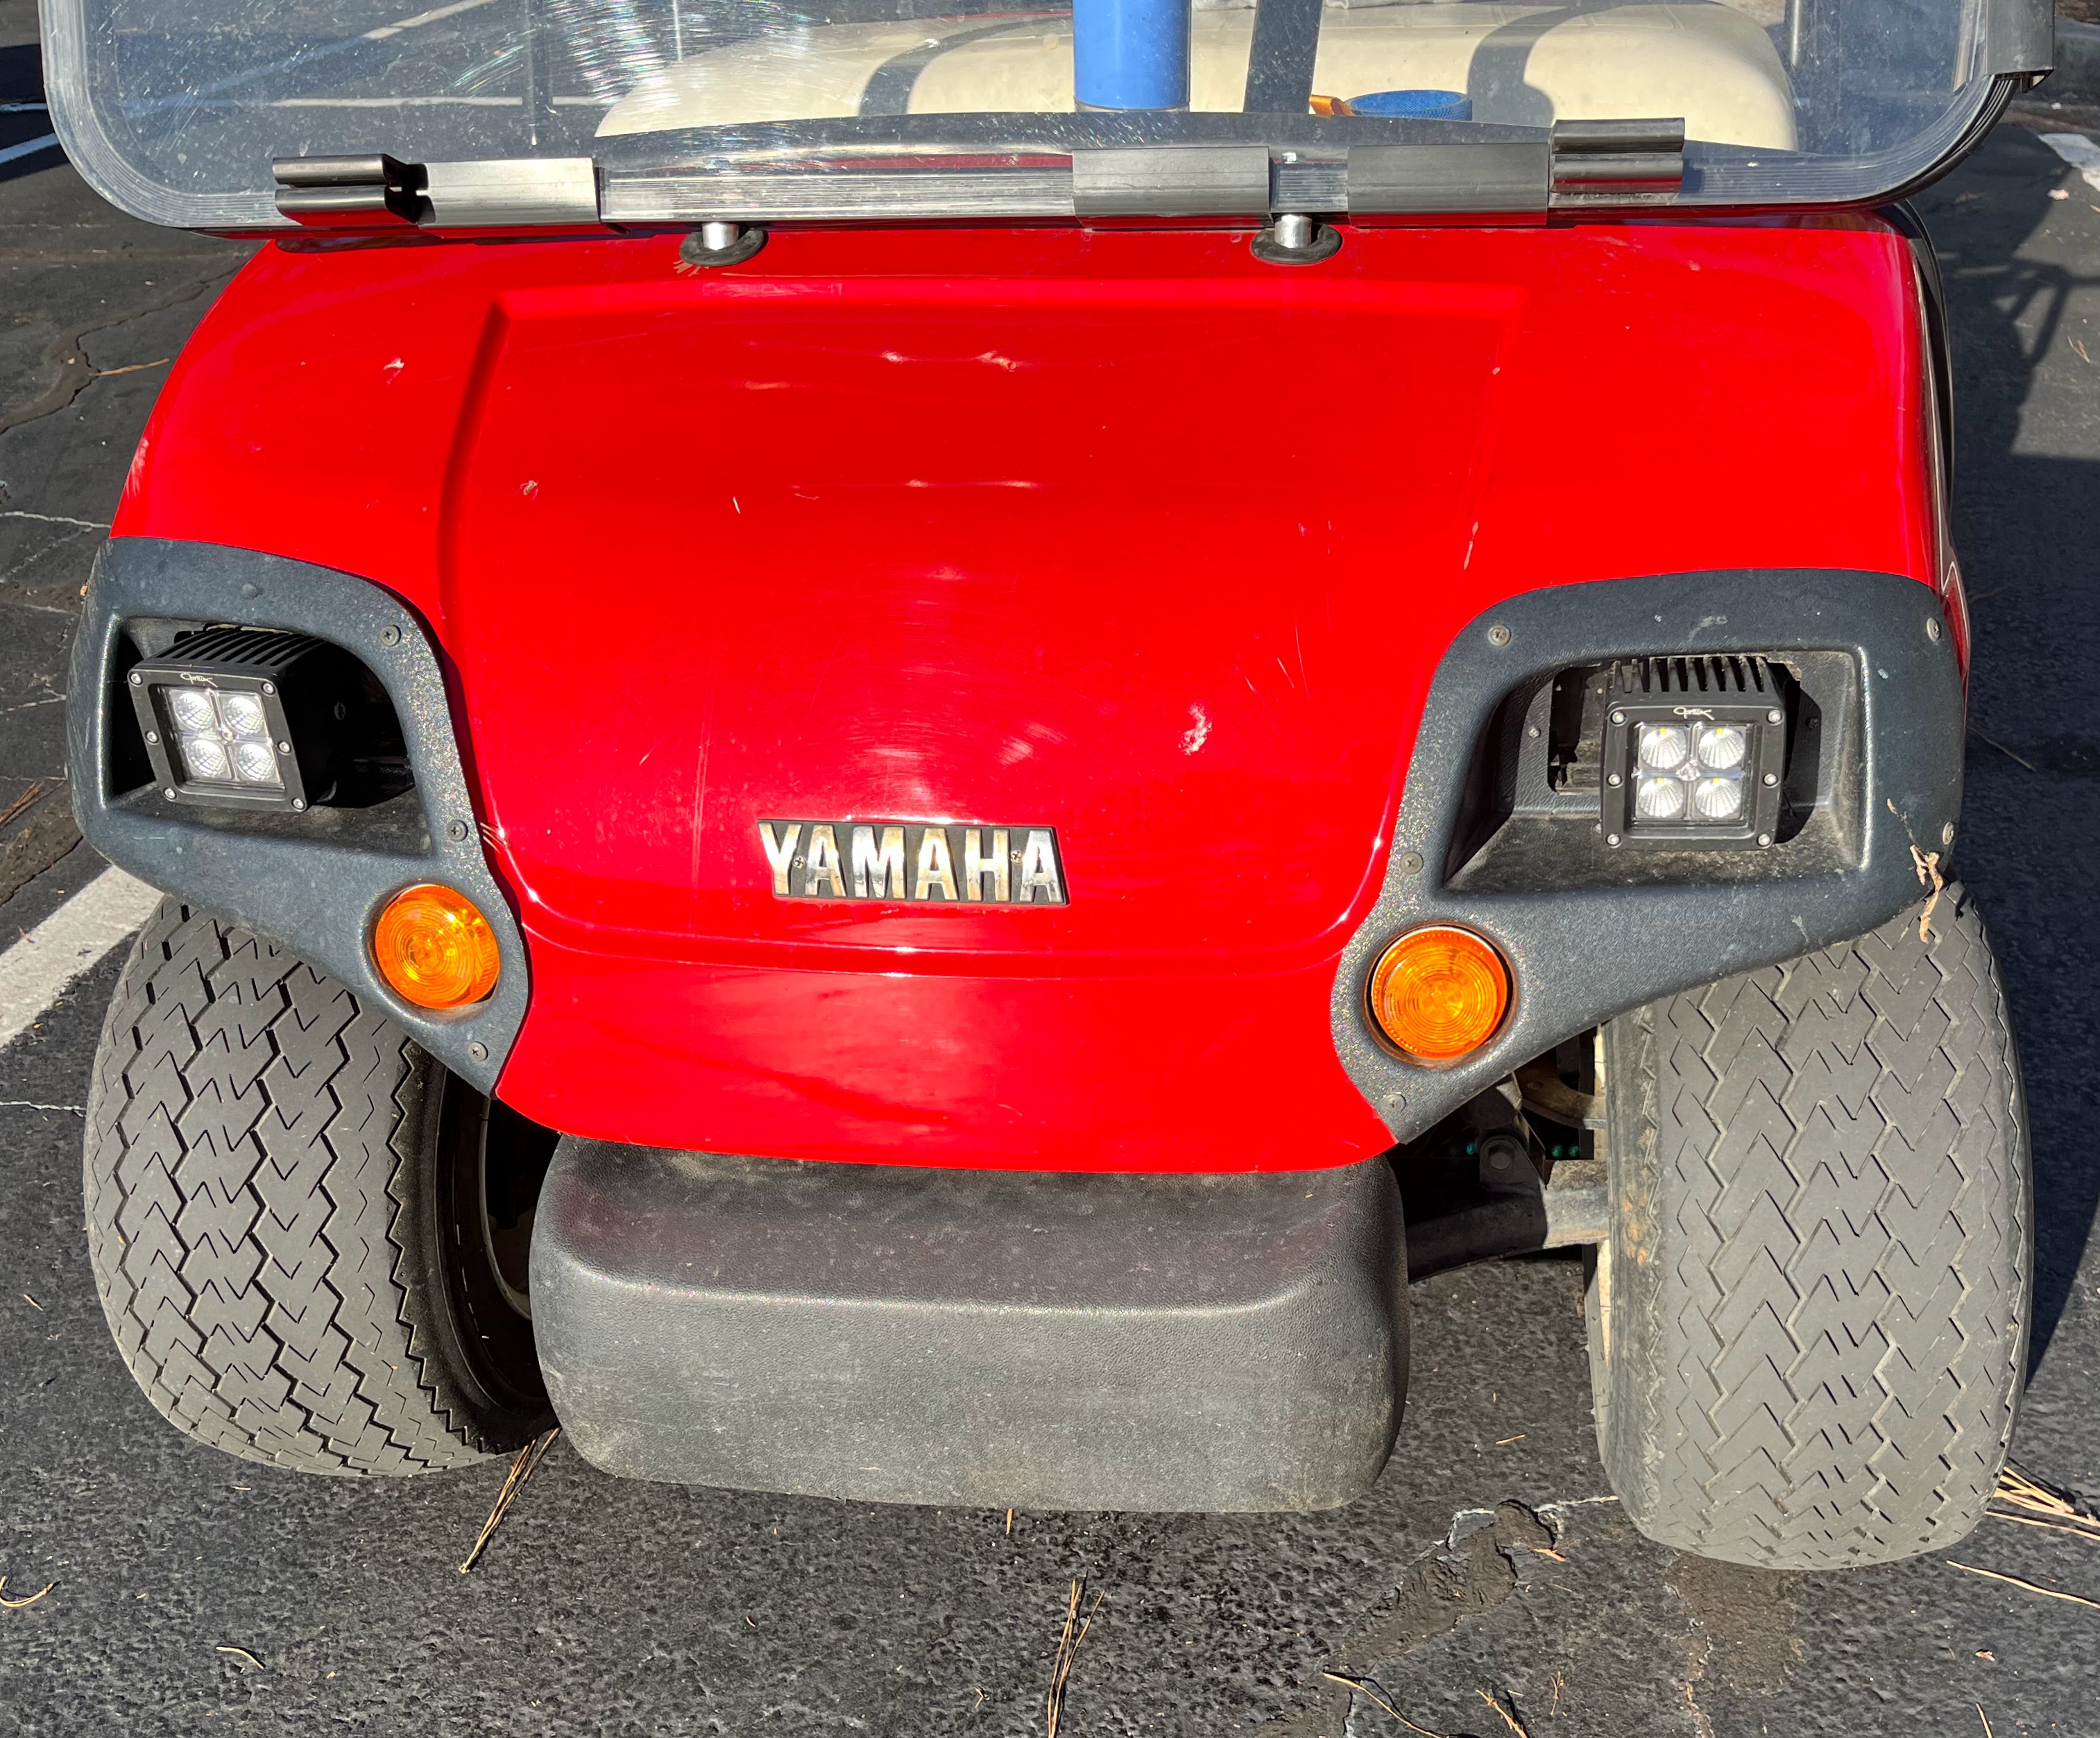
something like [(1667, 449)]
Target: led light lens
[(224, 738), (1664, 747), (206, 757), (1722, 747), (1659, 799), (1717, 799), (190, 708), (242, 714), (434, 948), (1440, 993), (256, 763)]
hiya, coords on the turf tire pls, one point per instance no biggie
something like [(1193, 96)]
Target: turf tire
[(1808, 1325), (265, 1219)]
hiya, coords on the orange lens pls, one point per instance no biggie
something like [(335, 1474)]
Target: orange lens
[(1440, 993), (434, 947)]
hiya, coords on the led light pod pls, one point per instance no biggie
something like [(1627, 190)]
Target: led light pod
[(243, 716), (1694, 753)]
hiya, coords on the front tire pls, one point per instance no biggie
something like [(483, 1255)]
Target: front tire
[(1809, 1322), (287, 1215)]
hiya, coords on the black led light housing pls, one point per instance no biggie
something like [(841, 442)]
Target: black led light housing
[(245, 716), (1694, 753)]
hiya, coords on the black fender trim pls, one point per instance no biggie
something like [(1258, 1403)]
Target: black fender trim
[(312, 882), (1580, 955)]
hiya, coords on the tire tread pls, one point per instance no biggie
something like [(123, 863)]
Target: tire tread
[(250, 1126), (1816, 1355)]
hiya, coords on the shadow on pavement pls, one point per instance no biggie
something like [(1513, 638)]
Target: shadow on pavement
[(2025, 500)]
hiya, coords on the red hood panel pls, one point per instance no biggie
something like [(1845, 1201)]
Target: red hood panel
[(1128, 559), (1124, 533)]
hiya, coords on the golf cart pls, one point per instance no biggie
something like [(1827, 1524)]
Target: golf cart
[(892, 752)]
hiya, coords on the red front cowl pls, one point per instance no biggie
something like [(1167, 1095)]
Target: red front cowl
[(1124, 534)]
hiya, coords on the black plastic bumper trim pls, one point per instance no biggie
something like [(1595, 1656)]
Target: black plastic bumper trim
[(1581, 955), (314, 883), (998, 1338)]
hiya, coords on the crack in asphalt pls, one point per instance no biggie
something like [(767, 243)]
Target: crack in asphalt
[(76, 374), (13, 573), (55, 519)]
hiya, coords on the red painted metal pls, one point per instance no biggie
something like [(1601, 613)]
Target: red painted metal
[(1125, 533)]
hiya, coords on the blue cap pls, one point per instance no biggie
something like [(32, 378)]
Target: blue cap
[(1415, 105)]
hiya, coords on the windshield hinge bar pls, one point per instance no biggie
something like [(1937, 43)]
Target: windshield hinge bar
[(1159, 181), (1487, 178), (1617, 162), (363, 193)]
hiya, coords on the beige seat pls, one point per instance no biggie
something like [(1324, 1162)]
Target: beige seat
[(1524, 64)]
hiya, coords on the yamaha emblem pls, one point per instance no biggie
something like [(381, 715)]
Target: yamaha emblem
[(913, 863)]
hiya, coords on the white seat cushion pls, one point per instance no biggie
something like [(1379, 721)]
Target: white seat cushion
[(1526, 65)]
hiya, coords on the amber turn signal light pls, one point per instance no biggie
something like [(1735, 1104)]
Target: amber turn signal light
[(434, 948), (1439, 994)]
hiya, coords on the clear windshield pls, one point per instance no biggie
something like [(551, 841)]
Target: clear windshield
[(678, 110)]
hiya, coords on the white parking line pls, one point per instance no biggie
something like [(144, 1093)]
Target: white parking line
[(35, 971), (420, 102), (197, 99), (29, 148), (2078, 151), (430, 17), (396, 102)]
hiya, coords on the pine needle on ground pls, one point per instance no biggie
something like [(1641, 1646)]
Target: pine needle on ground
[(514, 1481), (21, 802), (2016, 1580), (1509, 1718), (23, 1604), (2021, 1496), (1073, 1633)]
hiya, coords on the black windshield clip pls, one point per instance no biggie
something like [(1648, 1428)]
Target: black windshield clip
[(354, 193)]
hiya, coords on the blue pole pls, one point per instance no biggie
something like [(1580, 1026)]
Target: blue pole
[(1131, 54)]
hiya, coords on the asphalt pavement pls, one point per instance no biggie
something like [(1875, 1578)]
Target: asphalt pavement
[(1488, 1586)]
